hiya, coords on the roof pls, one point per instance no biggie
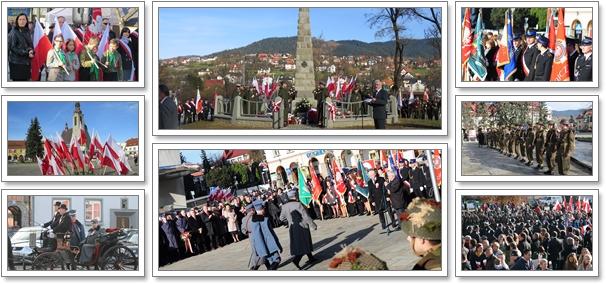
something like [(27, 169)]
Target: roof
[(132, 142), (16, 144), (230, 154), (208, 84)]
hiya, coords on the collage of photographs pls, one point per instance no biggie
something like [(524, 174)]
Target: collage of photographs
[(257, 140)]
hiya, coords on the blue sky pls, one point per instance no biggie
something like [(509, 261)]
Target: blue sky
[(193, 156), (201, 31), (559, 106), (120, 119)]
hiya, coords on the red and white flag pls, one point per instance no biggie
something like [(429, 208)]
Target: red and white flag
[(339, 182), (198, 102), (124, 45), (103, 43), (76, 153), (41, 47)]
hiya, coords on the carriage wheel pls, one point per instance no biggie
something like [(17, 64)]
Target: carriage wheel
[(47, 261), (119, 258)]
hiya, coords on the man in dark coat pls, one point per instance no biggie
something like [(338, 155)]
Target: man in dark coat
[(210, 238), (518, 54), (64, 224), (573, 54), (395, 189), (378, 198), (320, 95), (378, 101), (523, 263), (583, 66), (77, 234), (417, 180), (299, 223), (168, 110), (172, 235), (53, 222)]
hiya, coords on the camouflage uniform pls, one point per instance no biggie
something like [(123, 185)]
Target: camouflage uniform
[(551, 143), (423, 219), (539, 146), (566, 145), (530, 137)]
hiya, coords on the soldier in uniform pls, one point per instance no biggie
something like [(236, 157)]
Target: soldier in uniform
[(530, 137), (530, 54), (522, 142), (566, 145), (284, 94), (583, 67), (511, 141), (539, 145), (320, 94), (422, 225), (551, 140), (543, 62)]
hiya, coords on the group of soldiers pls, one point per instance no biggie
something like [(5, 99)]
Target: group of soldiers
[(548, 144)]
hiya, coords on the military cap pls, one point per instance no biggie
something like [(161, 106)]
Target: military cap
[(531, 33), (570, 40), (564, 121), (422, 219), (71, 212), (543, 40), (321, 83), (586, 41), (517, 36), (63, 206), (57, 203), (551, 122)]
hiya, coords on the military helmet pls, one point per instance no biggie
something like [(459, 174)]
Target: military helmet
[(422, 219)]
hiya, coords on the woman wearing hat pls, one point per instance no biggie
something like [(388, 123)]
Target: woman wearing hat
[(543, 62)]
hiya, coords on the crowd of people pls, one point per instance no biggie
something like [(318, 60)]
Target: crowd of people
[(65, 61), (215, 224), (190, 110), (534, 58), (509, 236), (547, 144)]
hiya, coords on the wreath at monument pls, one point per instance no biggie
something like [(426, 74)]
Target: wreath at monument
[(301, 108)]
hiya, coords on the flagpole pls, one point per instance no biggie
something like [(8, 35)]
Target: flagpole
[(433, 176)]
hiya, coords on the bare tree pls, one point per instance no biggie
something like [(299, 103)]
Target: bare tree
[(388, 21), (434, 17)]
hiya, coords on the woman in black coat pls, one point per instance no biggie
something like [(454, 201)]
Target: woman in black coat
[(20, 50)]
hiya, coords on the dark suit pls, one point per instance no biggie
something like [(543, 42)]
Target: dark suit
[(528, 59), (583, 68), (542, 67), (379, 108), (378, 195), (519, 74), (572, 59)]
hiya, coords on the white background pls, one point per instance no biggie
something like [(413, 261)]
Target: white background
[(452, 27)]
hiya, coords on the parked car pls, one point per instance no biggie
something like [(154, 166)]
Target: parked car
[(21, 242)]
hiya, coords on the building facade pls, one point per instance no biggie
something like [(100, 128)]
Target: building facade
[(16, 150), (111, 211)]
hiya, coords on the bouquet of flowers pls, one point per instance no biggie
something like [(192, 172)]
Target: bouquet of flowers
[(354, 258)]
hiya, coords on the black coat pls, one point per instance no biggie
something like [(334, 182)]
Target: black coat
[(172, 234), (208, 224), (417, 180), (19, 45), (556, 246), (378, 195), (379, 105), (396, 193), (64, 225), (583, 68), (542, 67), (53, 222), (572, 60), (528, 59)]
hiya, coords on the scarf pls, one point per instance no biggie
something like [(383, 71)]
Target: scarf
[(94, 70), (61, 56), (111, 57)]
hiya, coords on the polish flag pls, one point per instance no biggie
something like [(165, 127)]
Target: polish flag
[(198, 102), (330, 86), (95, 145), (82, 138), (44, 166), (62, 148), (77, 153), (68, 33), (41, 47), (339, 183), (97, 16), (557, 206), (109, 161), (103, 43), (54, 168)]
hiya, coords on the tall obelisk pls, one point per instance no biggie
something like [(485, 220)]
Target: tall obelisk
[(304, 76)]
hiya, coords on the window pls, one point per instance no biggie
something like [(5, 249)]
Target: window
[(65, 201), (92, 210)]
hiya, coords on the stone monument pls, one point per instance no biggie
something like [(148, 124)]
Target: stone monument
[(304, 75)]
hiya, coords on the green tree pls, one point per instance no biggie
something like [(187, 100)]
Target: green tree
[(543, 112), (220, 176), (497, 18), (33, 140)]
